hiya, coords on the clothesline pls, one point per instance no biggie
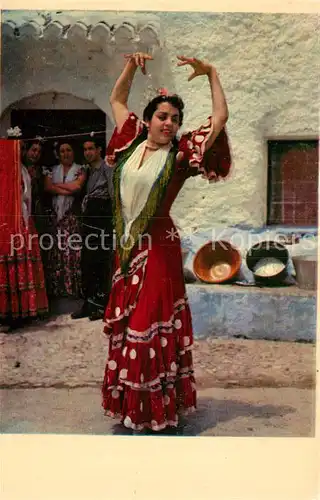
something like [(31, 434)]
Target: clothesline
[(40, 138)]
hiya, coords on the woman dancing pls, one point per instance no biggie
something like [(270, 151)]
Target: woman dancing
[(149, 378)]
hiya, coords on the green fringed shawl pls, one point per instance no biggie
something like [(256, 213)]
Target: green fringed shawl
[(139, 226)]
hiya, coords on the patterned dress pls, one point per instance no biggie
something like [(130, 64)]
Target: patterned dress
[(64, 254), (149, 376), (22, 287)]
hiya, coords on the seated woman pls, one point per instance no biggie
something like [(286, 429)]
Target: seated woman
[(22, 287), (65, 182), (149, 377)]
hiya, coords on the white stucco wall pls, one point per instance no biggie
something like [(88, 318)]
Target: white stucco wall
[(268, 67), (66, 72), (72, 65)]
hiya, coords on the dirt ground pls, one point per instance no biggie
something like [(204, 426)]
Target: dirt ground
[(66, 353), (51, 375)]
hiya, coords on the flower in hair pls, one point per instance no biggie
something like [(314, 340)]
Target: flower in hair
[(163, 92)]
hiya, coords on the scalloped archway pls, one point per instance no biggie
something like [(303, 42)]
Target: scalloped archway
[(53, 102), (53, 114)]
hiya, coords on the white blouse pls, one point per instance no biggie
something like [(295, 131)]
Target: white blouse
[(62, 203), (136, 183)]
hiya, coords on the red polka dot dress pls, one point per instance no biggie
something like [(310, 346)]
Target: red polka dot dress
[(149, 377)]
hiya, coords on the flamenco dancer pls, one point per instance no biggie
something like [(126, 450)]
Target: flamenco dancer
[(149, 378)]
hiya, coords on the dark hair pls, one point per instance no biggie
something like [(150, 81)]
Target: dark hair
[(174, 100), (29, 144), (97, 142), (59, 143), (26, 145)]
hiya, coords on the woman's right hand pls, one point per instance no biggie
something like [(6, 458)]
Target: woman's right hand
[(120, 92), (139, 58)]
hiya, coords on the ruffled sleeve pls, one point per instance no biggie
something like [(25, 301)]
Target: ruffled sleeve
[(120, 141), (213, 164)]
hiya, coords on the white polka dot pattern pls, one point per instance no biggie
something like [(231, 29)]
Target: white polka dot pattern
[(115, 394), (178, 324), (199, 138), (163, 341), (133, 354), (135, 279), (127, 421)]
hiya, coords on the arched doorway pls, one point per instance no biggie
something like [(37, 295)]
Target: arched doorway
[(51, 115)]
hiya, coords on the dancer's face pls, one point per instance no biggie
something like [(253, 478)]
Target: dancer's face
[(66, 154), (91, 152), (164, 124)]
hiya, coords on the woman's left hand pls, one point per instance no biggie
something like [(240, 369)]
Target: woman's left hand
[(199, 67)]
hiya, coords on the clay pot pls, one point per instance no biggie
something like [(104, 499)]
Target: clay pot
[(217, 262)]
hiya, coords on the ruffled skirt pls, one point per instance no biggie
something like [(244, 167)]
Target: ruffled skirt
[(149, 376)]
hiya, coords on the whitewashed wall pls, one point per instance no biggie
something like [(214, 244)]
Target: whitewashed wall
[(268, 66), (73, 66)]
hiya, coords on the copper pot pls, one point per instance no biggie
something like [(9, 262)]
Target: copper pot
[(217, 262)]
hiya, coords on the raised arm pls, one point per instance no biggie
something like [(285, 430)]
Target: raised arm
[(120, 93), (219, 105)]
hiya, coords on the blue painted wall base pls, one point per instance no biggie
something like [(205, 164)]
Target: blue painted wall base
[(282, 313)]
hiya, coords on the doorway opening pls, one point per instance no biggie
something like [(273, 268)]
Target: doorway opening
[(48, 124)]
